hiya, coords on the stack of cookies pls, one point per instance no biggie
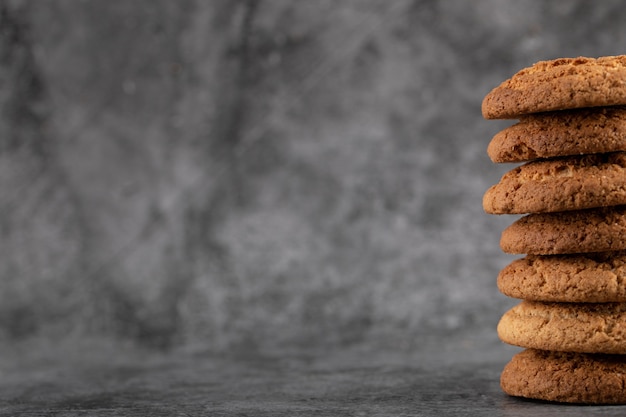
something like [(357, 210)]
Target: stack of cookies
[(570, 189)]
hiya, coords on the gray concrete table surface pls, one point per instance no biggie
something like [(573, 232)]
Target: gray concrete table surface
[(107, 381)]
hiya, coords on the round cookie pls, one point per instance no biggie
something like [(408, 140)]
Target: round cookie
[(566, 377), (584, 278), (562, 133), (594, 230), (566, 327), (561, 184), (560, 84)]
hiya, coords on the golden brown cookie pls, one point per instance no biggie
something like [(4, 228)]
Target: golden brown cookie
[(566, 327), (560, 84), (561, 184), (584, 278), (593, 230), (561, 133), (566, 377)]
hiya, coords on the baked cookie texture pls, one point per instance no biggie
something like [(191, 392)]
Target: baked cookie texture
[(566, 377), (570, 187), (560, 84), (562, 184), (566, 327), (582, 278), (562, 133), (594, 230)]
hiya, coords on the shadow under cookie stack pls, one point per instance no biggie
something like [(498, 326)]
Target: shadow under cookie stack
[(570, 188)]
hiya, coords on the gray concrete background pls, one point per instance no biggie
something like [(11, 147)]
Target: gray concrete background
[(262, 175)]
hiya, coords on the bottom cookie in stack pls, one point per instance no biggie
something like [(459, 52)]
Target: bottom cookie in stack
[(568, 377)]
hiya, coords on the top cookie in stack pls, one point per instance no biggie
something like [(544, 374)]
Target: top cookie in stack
[(570, 142), (561, 84)]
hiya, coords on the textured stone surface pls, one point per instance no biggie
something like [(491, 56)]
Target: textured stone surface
[(318, 383), (247, 173)]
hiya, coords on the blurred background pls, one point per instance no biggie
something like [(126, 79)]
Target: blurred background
[(262, 175)]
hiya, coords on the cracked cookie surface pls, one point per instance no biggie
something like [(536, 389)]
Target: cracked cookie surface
[(566, 327), (581, 231), (560, 84), (582, 278), (566, 377), (561, 133), (561, 184)]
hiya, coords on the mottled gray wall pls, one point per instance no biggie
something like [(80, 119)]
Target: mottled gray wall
[(261, 174)]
